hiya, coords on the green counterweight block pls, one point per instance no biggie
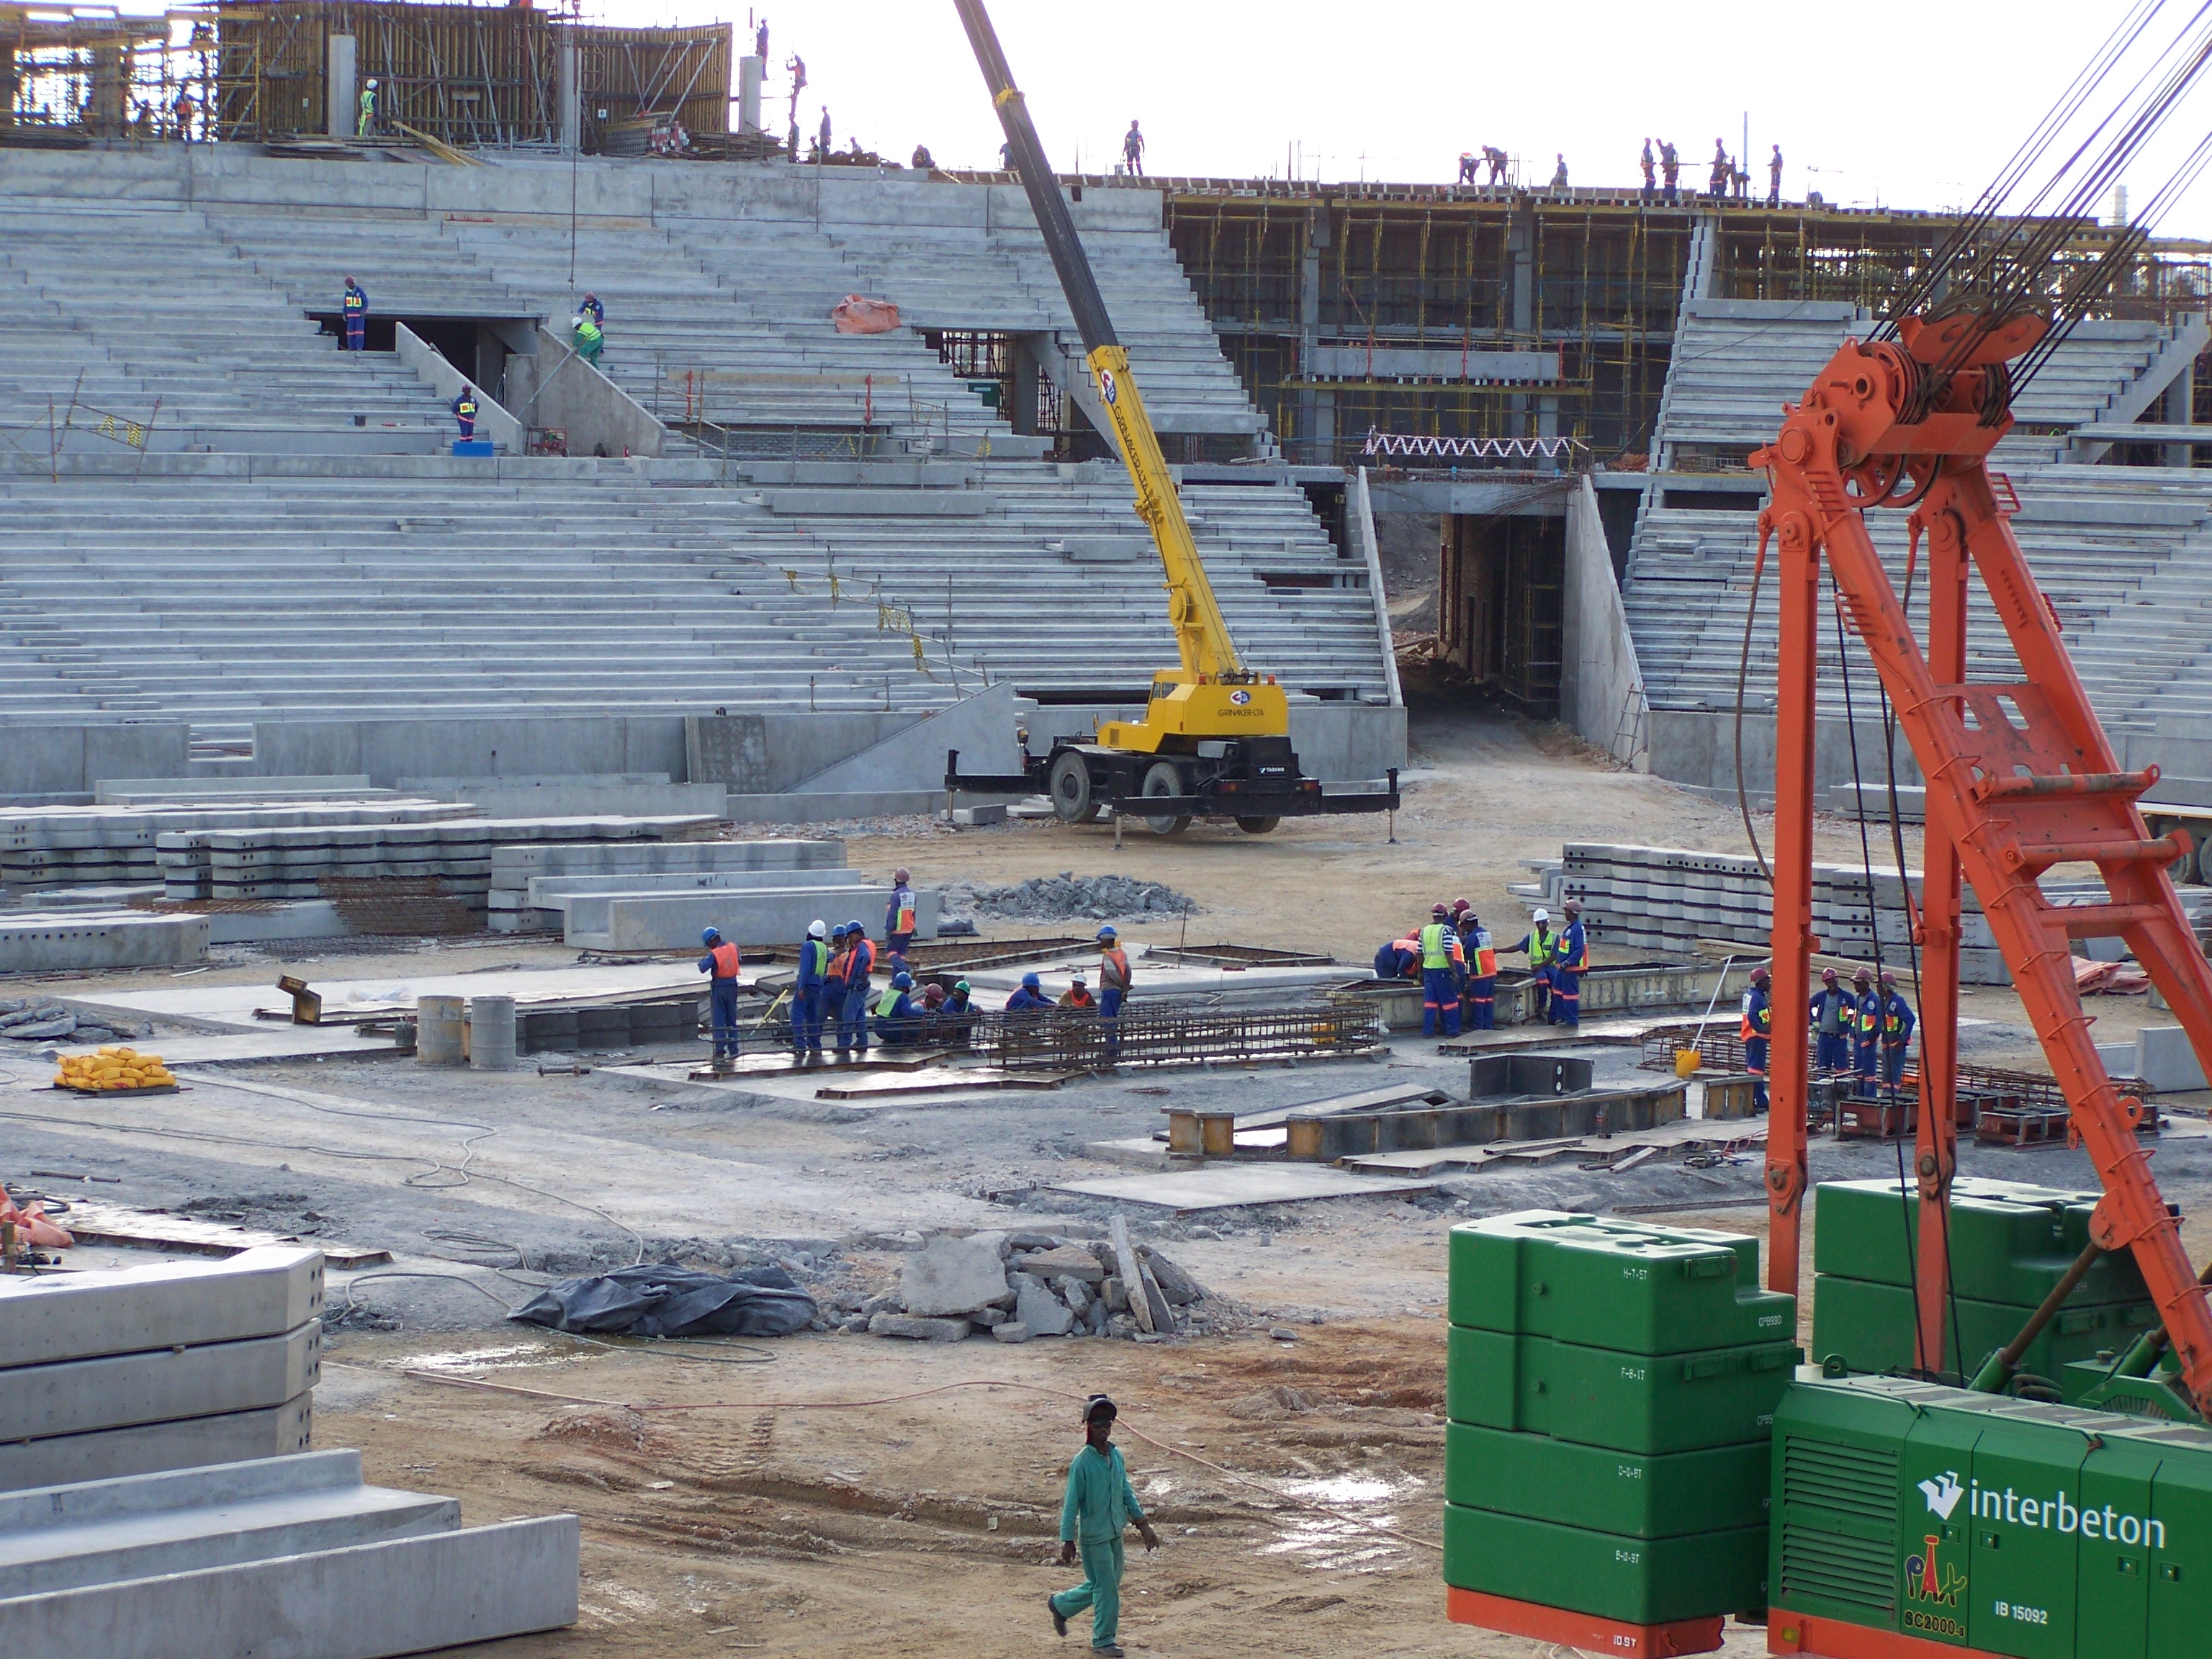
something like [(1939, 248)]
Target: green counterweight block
[(1871, 1327), (1632, 1493), (1604, 1397), (2010, 1243), (1603, 1282), (1640, 1581)]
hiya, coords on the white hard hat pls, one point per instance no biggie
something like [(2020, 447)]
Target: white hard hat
[(372, 80), (1543, 915), (817, 929)]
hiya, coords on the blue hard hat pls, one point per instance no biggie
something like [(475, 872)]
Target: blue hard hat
[(854, 927), (1107, 931), (839, 931), (901, 980), (710, 935), (1031, 981)]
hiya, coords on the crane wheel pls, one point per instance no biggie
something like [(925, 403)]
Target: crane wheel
[(1070, 785), (1162, 778), (1257, 826)]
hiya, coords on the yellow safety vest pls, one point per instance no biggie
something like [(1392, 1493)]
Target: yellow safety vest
[(1436, 940)]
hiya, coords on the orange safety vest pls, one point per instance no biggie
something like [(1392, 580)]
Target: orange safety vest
[(1114, 969), (725, 960)]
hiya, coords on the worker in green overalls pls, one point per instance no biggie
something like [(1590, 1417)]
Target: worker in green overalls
[(1099, 1503)]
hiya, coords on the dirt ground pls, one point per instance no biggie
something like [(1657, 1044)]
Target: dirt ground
[(829, 1494)]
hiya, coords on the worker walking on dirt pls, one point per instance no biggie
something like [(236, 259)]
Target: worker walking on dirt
[(721, 962), (1540, 945), (354, 307), (898, 918), (1481, 996), (1866, 1027), (1441, 962), (1757, 1032), (852, 1025), (1113, 986), (1098, 1505), (1897, 1021), (806, 992), (1569, 964), (1834, 1017)]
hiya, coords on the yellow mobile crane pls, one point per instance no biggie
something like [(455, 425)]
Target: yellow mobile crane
[(1214, 740)]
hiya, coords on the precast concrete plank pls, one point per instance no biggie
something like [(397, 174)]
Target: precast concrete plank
[(265, 1291), (367, 1602), (116, 1390), (1227, 1186), (104, 1453)]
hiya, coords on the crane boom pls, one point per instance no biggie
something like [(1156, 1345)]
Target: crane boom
[(1201, 635)]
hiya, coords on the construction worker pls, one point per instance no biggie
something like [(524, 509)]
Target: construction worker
[(1569, 964), (1866, 1030), (1098, 1505), (822, 140), (1028, 997), (853, 1028), (1496, 160), (1559, 174), (355, 306), (1400, 959), (760, 42), (589, 337), (1113, 986), (1078, 994), (1441, 962), (833, 979), (1132, 151), (1834, 1017), (368, 126), (183, 111), (1670, 169), (898, 918), (1649, 176), (923, 161), (722, 963), (806, 992), (1467, 168), (957, 1017), (465, 412), (898, 1022), (1774, 178), (1756, 1031), (591, 308), (1723, 171), (1897, 1021), (1540, 945), (1482, 952)]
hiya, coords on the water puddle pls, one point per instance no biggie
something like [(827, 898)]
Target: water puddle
[(1344, 1543), (510, 1356)]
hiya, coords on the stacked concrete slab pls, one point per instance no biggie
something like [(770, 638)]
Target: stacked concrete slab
[(47, 847), (283, 1558), (516, 870), (121, 1372), (672, 918), (64, 940)]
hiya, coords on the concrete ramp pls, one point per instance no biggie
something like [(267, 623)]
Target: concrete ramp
[(980, 727)]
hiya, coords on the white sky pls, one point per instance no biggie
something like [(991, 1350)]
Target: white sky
[(1915, 106)]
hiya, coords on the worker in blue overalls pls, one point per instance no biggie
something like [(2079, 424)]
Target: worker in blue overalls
[(1482, 952), (898, 1022), (1895, 1029), (721, 962), (1756, 1031), (1866, 1028), (806, 992), (898, 918), (1441, 959), (852, 1023), (465, 412), (1834, 1015), (1569, 964), (355, 308)]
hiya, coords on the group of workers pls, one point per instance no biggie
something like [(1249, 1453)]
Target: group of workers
[(1456, 961), (1728, 179), (1865, 1031)]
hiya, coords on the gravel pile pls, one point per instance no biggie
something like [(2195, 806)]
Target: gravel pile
[(49, 1021), (1069, 895)]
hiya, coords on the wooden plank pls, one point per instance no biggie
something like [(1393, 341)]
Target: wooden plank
[(113, 1224), (1132, 1271)]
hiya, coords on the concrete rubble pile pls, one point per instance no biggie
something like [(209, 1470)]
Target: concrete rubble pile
[(1012, 1286), (1057, 898), (39, 1020)]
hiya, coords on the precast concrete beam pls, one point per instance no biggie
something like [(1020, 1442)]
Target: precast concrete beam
[(103, 1454), (73, 1395), (265, 1292)]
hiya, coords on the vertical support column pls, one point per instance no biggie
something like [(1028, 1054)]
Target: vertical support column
[(1798, 660), (571, 110), (1936, 1140), (341, 87), (1022, 416), (1316, 408), (751, 72), (2180, 410), (1521, 248)]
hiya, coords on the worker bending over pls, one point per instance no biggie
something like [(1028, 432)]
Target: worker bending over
[(1834, 1016), (1441, 962), (898, 1022), (852, 1023), (1400, 959), (1895, 1028), (1540, 945), (722, 963), (806, 992), (1113, 986), (1028, 997), (1098, 1505), (1569, 963), (1757, 1032)]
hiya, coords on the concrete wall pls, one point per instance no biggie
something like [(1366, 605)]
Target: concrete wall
[(1359, 519), (432, 368), (555, 388), (1697, 747), (73, 760), (1600, 686)]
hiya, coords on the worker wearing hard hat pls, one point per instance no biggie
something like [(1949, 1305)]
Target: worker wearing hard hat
[(1758, 1031), (1896, 1021), (1028, 997), (898, 1022), (1113, 986), (853, 1020), (1441, 959), (898, 918), (1834, 1016), (806, 992), (1540, 945), (368, 108), (1569, 963), (1866, 1027), (353, 307), (1482, 952), (721, 962)]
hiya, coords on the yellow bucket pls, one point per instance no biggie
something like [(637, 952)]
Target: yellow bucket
[(1686, 1060)]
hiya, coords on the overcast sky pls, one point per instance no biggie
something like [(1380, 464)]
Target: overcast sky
[(1919, 111)]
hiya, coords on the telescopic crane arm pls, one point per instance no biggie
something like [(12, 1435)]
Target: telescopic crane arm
[(1201, 635)]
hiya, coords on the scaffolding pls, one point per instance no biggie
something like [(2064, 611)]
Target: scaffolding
[(72, 73)]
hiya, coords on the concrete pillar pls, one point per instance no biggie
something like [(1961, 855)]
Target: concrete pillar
[(1317, 408), (1520, 247), (2180, 410), (109, 107), (751, 71), (571, 100), (1023, 415), (342, 91)]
